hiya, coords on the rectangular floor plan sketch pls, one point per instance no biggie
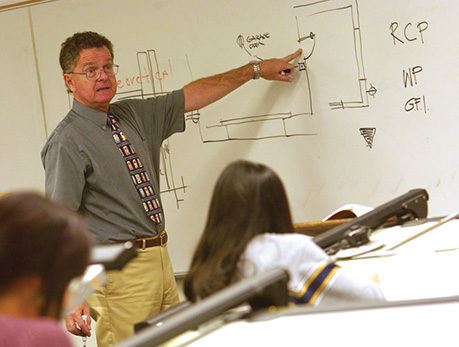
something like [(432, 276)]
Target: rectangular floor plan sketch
[(345, 85)]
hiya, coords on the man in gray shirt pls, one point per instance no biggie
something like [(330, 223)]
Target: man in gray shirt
[(103, 161)]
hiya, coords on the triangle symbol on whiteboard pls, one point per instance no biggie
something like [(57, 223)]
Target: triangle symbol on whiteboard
[(368, 134)]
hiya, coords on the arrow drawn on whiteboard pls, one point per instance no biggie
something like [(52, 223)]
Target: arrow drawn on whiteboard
[(311, 36), (372, 91)]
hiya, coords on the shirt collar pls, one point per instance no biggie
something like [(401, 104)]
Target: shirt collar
[(97, 117)]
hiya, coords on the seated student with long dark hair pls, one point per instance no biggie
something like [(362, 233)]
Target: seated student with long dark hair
[(43, 246), (249, 230)]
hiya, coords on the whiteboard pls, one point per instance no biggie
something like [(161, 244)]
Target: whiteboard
[(369, 115), (22, 122)]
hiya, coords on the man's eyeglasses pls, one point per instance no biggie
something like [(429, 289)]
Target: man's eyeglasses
[(93, 73)]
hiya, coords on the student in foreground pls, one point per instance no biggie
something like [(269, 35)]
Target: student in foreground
[(43, 246), (249, 230)]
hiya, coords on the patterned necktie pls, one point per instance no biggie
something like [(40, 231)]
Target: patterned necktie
[(137, 171)]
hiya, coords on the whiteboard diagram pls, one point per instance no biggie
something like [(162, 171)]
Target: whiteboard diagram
[(331, 49), (345, 86), (291, 114)]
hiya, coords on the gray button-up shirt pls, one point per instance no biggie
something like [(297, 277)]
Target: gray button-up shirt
[(85, 170)]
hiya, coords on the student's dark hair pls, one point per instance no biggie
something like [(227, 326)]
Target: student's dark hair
[(72, 46), (248, 199), (43, 239)]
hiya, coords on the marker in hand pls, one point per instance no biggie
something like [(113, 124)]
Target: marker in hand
[(288, 59), (84, 338), (287, 71)]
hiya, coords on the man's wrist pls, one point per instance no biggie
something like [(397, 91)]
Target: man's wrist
[(256, 69)]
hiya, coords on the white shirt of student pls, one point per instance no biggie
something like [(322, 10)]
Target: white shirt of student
[(314, 278)]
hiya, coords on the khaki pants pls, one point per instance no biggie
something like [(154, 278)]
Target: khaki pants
[(144, 287)]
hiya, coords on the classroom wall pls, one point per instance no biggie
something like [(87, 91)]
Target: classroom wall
[(22, 121), (370, 114)]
